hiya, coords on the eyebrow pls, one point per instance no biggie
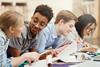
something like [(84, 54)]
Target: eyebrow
[(34, 17), (88, 26)]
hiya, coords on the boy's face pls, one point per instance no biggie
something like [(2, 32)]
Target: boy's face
[(67, 27), (37, 23)]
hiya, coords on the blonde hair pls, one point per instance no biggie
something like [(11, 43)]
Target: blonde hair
[(9, 18), (65, 15)]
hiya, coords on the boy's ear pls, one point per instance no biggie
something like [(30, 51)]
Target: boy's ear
[(61, 21), (11, 29)]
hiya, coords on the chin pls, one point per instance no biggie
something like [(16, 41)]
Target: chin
[(34, 32), (18, 36), (66, 34)]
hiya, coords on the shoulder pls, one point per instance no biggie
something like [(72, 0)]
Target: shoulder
[(49, 28), (25, 32), (2, 37), (46, 32), (2, 34)]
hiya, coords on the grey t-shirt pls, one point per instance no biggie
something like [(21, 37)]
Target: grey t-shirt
[(25, 42)]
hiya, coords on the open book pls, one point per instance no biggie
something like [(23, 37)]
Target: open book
[(72, 48), (65, 55)]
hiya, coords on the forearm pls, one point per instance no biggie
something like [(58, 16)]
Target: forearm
[(17, 61), (13, 52), (58, 50), (30, 57)]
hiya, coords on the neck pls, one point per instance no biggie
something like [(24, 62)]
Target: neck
[(57, 30), (32, 34)]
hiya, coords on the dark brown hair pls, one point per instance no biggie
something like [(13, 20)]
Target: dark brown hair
[(45, 10), (83, 21)]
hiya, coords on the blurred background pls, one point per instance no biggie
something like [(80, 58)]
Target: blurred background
[(78, 7)]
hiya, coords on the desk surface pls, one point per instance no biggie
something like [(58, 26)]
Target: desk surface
[(87, 64)]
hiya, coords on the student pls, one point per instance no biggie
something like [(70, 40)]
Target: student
[(62, 26), (11, 25), (42, 15), (85, 27)]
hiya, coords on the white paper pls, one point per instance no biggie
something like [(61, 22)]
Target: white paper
[(65, 55), (72, 48)]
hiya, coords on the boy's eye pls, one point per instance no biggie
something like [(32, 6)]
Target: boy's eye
[(43, 24), (35, 20)]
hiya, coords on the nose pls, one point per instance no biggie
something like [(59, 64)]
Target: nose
[(37, 25), (71, 29), (89, 33)]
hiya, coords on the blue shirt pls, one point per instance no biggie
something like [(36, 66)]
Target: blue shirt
[(4, 41), (47, 38)]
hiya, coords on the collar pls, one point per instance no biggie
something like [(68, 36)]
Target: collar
[(26, 32), (54, 34)]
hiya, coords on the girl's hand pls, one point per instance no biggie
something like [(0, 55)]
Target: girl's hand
[(31, 56), (34, 56)]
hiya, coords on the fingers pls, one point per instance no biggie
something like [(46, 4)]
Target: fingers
[(31, 56), (35, 56), (29, 60)]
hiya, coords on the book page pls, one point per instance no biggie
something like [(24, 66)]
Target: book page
[(72, 48), (66, 54)]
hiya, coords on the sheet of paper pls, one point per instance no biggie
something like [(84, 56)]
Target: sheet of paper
[(72, 48), (65, 55)]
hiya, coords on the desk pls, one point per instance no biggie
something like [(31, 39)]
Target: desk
[(87, 64), (70, 54), (43, 63)]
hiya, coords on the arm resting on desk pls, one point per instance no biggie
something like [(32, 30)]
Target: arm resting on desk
[(13, 52)]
